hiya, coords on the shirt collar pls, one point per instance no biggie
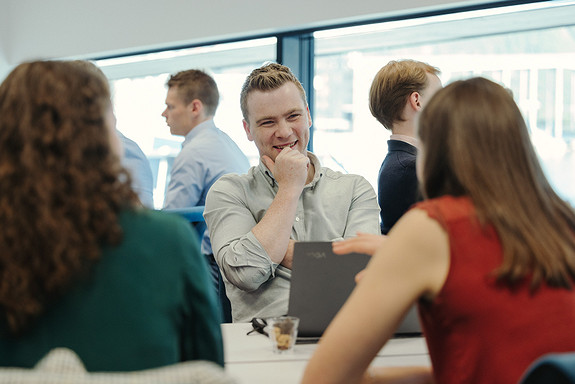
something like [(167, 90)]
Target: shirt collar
[(407, 139), (208, 124)]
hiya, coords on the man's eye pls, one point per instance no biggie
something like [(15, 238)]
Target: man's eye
[(294, 116)]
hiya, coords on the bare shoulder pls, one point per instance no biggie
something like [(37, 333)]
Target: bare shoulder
[(417, 225), (420, 245)]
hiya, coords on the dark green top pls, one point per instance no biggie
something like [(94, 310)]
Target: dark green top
[(148, 302)]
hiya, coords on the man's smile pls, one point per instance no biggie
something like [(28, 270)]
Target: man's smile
[(291, 145)]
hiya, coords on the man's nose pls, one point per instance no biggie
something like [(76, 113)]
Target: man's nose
[(284, 129)]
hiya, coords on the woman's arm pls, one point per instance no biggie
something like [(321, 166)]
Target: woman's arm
[(399, 375), (412, 263)]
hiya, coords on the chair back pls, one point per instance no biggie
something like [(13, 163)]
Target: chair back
[(63, 366), (556, 368), (195, 215)]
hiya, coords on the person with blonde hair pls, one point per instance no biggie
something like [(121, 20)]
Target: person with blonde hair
[(82, 264), (399, 92), (488, 256), (255, 219)]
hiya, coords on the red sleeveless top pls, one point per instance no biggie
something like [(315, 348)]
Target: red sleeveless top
[(481, 332)]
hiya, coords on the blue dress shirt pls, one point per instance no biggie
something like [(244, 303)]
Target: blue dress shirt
[(207, 153), (136, 162)]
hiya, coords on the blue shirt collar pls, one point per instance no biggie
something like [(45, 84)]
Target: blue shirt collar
[(208, 124)]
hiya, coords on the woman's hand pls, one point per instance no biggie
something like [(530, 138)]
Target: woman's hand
[(362, 243)]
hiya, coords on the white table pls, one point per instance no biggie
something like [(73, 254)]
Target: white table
[(249, 358)]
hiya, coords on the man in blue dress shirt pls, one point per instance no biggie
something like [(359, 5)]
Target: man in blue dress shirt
[(207, 152), (137, 164)]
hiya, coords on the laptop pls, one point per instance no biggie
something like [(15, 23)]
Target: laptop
[(321, 282)]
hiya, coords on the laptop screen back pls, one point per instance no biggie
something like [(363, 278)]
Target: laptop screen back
[(321, 282)]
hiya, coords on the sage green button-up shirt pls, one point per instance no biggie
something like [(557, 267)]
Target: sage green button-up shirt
[(332, 207)]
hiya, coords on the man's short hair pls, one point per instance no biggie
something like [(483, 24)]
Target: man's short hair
[(195, 84), (393, 85), (267, 78)]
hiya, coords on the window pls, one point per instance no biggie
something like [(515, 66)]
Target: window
[(139, 93), (529, 49)]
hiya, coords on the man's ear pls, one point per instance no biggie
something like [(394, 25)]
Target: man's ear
[(309, 116), (415, 101), (247, 129), (196, 106)]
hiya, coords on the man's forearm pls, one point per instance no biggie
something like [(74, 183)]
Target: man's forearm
[(274, 229), (288, 258)]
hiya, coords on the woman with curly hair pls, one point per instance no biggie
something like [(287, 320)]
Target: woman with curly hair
[(82, 264)]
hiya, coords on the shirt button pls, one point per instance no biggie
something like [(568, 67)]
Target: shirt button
[(297, 219)]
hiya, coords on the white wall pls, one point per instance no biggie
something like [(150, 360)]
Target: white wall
[(88, 28)]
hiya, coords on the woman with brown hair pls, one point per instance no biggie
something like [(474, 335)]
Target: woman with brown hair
[(82, 264), (489, 256)]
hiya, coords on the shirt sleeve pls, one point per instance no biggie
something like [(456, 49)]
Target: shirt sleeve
[(138, 165), (363, 213), (186, 181), (240, 255)]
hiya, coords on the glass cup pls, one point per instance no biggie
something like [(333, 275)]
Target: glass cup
[(283, 333)]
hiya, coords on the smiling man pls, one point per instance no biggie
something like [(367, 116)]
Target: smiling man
[(254, 219)]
